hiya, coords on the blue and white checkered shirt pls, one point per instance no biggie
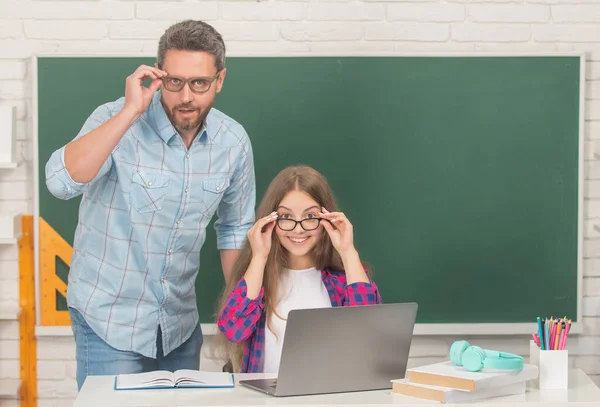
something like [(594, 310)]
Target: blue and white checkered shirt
[(142, 223)]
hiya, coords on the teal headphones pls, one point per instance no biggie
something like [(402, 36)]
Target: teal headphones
[(473, 358)]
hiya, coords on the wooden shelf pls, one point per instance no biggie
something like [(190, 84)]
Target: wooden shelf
[(10, 225), (9, 314), (9, 388), (10, 240)]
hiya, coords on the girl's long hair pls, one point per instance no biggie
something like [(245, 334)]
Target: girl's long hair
[(299, 178)]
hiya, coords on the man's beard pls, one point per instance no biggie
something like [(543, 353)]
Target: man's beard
[(185, 124)]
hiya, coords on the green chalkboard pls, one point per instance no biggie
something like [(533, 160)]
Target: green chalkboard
[(460, 174)]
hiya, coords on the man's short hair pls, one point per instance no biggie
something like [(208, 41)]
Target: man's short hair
[(192, 35)]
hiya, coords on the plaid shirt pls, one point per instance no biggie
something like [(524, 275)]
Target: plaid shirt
[(243, 320), (142, 222)]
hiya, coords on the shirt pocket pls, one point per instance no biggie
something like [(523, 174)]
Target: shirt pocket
[(148, 191), (212, 193)]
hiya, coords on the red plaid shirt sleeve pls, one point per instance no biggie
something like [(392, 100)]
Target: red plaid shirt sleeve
[(362, 294), (240, 315), (342, 294)]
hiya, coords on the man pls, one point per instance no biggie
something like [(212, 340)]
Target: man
[(153, 168)]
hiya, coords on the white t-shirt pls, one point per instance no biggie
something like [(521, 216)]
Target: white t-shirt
[(298, 289)]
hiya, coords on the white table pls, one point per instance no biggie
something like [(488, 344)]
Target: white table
[(98, 391)]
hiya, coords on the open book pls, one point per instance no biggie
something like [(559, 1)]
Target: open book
[(162, 379)]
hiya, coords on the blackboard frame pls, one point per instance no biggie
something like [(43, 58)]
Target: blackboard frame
[(420, 329)]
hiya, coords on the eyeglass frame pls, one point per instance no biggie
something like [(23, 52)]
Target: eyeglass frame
[(211, 80), (300, 222)]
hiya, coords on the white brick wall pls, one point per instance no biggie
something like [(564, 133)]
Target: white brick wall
[(9, 350), (206, 11), (56, 369), (285, 27), (513, 13), (426, 12)]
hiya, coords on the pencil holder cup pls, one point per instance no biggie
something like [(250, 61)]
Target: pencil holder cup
[(553, 367)]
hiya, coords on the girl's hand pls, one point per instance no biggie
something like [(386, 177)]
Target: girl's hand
[(342, 236), (260, 235)]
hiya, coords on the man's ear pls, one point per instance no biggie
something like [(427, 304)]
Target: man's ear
[(221, 79)]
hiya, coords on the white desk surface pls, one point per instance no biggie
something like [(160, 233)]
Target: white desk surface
[(98, 391)]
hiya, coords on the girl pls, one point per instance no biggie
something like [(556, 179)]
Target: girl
[(294, 258)]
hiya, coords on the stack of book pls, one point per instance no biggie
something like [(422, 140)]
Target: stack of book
[(447, 383)]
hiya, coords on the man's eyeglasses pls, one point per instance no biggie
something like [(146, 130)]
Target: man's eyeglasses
[(197, 85), (290, 224)]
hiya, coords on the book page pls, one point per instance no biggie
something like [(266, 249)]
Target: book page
[(202, 379), (157, 378)]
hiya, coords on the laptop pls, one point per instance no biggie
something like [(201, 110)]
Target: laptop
[(342, 349)]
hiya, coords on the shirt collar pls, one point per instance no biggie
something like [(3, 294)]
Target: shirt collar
[(166, 130), (211, 125), (162, 124)]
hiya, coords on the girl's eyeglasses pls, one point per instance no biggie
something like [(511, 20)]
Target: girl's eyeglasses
[(307, 224)]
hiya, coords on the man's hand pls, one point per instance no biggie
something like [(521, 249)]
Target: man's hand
[(137, 96), (85, 156)]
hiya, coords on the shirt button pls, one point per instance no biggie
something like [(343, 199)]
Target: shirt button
[(187, 156), (218, 188), (179, 221), (170, 251), (149, 183)]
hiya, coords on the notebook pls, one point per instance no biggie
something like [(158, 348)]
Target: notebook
[(448, 395), (446, 374), (162, 379)]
